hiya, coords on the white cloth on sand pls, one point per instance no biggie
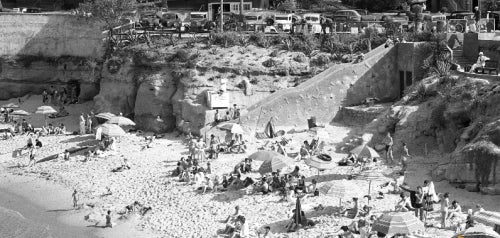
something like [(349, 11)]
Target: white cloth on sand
[(98, 133)]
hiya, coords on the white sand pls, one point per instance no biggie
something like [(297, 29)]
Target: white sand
[(179, 210)]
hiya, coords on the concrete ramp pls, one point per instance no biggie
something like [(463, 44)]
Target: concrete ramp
[(321, 96)]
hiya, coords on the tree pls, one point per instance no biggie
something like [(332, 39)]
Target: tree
[(163, 4), (110, 12), (286, 6)]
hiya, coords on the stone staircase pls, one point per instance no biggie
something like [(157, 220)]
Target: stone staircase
[(458, 56)]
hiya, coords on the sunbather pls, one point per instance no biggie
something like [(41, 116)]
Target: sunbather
[(352, 212), (209, 185)]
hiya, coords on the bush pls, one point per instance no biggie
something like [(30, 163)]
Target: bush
[(275, 53), (269, 63), (181, 55), (259, 39), (225, 39), (300, 58), (320, 60), (305, 43)]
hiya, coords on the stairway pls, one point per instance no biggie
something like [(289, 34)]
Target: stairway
[(460, 59)]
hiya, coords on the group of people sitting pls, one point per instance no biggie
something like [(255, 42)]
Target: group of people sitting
[(53, 130)]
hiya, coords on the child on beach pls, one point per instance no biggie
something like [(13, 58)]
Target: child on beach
[(108, 220), (75, 199), (32, 155)]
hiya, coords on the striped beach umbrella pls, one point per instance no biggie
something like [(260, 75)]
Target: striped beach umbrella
[(365, 151), (20, 113), (488, 218), (10, 105), (45, 110), (265, 155), (105, 115), (233, 128), (478, 231), (340, 189), (121, 121), (400, 223), (112, 130), (274, 164), (316, 162)]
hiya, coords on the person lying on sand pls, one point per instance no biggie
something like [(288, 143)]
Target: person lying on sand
[(346, 233)]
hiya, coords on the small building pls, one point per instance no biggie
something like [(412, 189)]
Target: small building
[(231, 6)]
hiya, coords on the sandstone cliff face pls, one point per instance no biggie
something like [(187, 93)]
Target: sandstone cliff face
[(21, 75), (173, 83)]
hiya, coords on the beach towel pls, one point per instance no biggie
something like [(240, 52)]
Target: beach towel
[(98, 133), (432, 192)]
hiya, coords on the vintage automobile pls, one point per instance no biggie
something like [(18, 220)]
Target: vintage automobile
[(198, 21), (150, 20), (170, 20), (310, 24), (257, 21), (346, 15), (284, 21)]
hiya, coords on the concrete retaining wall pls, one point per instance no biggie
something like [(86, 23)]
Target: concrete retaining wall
[(49, 35), (323, 95)]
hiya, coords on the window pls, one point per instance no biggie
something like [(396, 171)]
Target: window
[(236, 7), (246, 7)]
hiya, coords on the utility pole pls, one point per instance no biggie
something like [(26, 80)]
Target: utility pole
[(221, 15), (241, 9)]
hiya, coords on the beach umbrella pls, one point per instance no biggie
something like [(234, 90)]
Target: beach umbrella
[(105, 115), (489, 218), (45, 110), (121, 121), (372, 176), (20, 113), (274, 164), (10, 105), (340, 189), (316, 162), (399, 223), (233, 128), (365, 151), (264, 155), (478, 231), (112, 130)]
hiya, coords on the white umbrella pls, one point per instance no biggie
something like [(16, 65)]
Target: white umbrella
[(112, 130), (105, 115), (233, 128), (121, 121), (20, 113), (340, 189), (45, 110)]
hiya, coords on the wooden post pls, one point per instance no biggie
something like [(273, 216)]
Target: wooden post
[(221, 15)]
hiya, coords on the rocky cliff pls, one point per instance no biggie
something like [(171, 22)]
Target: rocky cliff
[(166, 87)]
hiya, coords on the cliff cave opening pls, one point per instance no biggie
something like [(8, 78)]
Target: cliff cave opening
[(74, 88)]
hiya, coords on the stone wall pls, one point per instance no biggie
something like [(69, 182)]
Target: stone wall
[(359, 115), (49, 35), (323, 95)]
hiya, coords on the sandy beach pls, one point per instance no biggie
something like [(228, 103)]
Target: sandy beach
[(179, 210)]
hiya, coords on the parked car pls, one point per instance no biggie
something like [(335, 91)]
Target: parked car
[(461, 15), (346, 15), (284, 21), (150, 19), (256, 21), (198, 21), (170, 20), (33, 10), (311, 24)]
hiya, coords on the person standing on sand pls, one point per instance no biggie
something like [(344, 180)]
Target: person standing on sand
[(108, 220), (445, 203), (89, 124), (388, 141), (82, 124), (404, 158), (75, 198), (32, 156)]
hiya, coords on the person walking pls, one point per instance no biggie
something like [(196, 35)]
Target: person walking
[(75, 199), (32, 154), (477, 17)]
